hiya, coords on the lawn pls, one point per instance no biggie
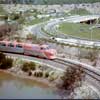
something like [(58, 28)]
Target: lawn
[(79, 11), (2, 11), (36, 21), (80, 30)]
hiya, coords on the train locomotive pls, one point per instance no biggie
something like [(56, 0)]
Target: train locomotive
[(43, 51)]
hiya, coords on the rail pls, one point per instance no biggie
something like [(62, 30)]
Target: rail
[(90, 70)]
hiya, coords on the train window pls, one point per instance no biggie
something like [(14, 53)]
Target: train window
[(2, 44), (45, 48), (18, 46), (42, 48), (10, 45)]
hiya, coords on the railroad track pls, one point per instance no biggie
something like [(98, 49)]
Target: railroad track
[(94, 73), (64, 63)]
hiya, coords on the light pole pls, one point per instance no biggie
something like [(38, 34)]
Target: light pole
[(91, 34), (91, 30)]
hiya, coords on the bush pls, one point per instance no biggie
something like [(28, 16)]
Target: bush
[(6, 63), (38, 74), (52, 76), (2, 56), (14, 16), (72, 78), (27, 66), (46, 74)]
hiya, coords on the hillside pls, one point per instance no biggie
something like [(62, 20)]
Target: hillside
[(48, 2)]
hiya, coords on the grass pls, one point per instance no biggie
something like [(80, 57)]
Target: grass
[(79, 11), (2, 11), (80, 30), (37, 21)]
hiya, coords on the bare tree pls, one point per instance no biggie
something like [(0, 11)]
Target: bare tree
[(71, 79)]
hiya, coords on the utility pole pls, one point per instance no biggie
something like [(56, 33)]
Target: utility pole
[(91, 30)]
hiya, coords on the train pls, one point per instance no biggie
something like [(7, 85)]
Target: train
[(37, 50)]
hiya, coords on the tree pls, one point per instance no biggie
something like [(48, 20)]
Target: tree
[(2, 56), (5, 62), (93, 55), (71, 79), (45, 2)]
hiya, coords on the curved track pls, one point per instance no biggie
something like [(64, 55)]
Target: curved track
[(94, 73)]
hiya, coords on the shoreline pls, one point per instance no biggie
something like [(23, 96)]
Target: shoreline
[(25, 76)]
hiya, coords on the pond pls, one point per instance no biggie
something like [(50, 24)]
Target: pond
[(12, 87)]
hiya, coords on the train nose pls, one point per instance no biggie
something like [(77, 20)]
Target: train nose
[(53, 51)]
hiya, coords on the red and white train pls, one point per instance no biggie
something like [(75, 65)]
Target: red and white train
[(43, 51)]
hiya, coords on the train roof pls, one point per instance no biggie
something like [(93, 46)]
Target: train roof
[(25, 44)]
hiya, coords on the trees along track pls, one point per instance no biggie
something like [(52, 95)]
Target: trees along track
[(92, 74)]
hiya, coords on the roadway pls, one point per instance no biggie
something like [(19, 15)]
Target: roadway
[(51, 27)]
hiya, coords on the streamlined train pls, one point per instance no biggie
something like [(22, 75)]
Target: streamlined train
[(38, 50)]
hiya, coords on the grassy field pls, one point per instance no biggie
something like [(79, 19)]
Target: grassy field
[(37, 21), (80, 30), (79, 12), (2, 11)]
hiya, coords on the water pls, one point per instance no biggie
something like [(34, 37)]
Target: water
[(16, 88)]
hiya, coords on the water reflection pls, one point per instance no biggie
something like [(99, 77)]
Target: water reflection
[(14, 87)]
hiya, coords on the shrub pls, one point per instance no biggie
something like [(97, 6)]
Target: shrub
[(46, 74), (30, 73), (2, 56), (38, 74), (14, 16), (52, 76), (27, 66), (72, 78), (6, 63)]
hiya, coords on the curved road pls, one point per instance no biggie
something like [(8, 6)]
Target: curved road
[(50, 27)]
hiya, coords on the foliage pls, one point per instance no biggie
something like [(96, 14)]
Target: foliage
[(5, 62), (93, 54), (27, 66), (72, 78), (46, 74), (31, 36), (48, 1), (14, 16), (7, 29), (2, 56), (38, 73), (52, 76)]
